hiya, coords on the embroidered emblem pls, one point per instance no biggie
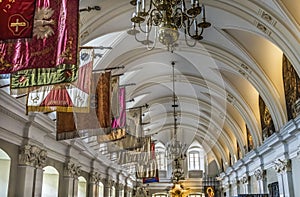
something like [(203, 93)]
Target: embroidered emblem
[(17, 24), (43, 23)]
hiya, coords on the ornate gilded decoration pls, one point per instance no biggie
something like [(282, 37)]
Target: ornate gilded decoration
[(267, 124), (291, 87), (4, 64)]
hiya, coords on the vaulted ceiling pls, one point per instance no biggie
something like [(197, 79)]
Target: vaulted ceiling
[(218, 82)]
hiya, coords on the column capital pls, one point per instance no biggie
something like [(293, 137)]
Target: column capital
[(121, 186), (95, 177), (71, 169), (282, 166), (127, 189), (259, 174), (244, 179), (31, 155)]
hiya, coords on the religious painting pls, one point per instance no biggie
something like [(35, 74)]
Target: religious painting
[(267, 124), (291, 84)]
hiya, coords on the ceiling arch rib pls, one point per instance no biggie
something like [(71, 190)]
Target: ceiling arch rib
[(268, 60), (269, 23)]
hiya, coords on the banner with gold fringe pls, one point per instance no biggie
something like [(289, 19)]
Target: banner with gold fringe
[(54, 41), (66, 97)]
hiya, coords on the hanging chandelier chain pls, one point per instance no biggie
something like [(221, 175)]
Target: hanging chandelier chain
[(174, 104)]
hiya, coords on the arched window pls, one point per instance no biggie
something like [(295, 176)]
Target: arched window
[(160, 152), (196, 157), (100, 189), (81, 186), (194, 160), (113, 191), (50, 182), (4, 172)]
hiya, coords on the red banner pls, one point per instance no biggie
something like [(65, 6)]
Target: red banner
[(54, 41), (16, 18)]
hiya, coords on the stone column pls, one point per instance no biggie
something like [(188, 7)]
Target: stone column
[(95, 177), (30, 179), (245, 181), (285, 179), (71, 172), (261, 182)]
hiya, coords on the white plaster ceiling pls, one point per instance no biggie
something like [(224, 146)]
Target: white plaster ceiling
[(217, 82)]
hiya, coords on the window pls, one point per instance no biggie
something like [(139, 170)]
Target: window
[(4, 172), (160, 152), (50, 182), (196, 157), (100, 189), (194, 161), (81, 186), (161, 161), (113, 191)]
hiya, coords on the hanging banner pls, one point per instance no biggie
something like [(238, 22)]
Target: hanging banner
[(16, 19), (66, 97), (65, 126), (64, 73), (54, 41)]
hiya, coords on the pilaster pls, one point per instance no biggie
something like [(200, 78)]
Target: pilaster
[(260, 176), (285, 179), (71, 173), (32, 159), (95, 177), (245, 182)]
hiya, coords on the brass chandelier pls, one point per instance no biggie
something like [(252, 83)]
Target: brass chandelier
[(168, 17)]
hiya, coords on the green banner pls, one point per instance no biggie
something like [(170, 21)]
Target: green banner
[(64, 73)]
